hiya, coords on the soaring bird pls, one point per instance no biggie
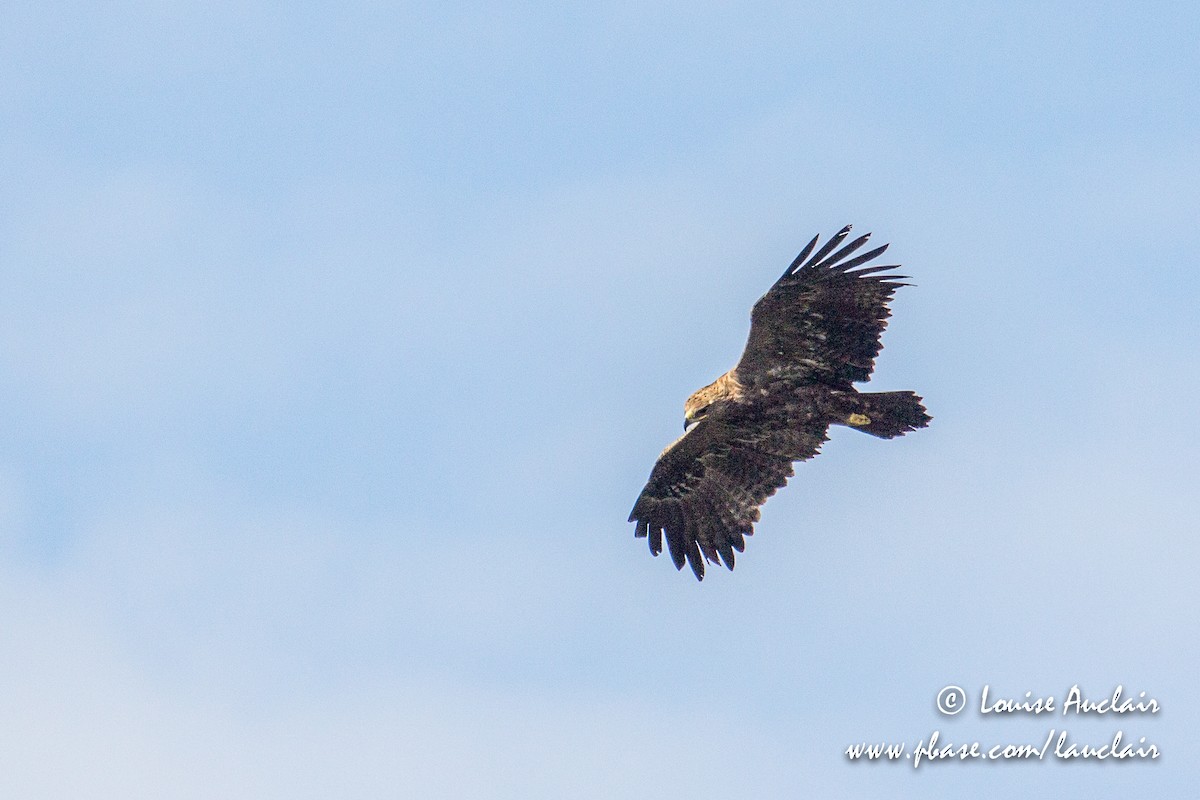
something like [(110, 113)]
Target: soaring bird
[(813, 335)]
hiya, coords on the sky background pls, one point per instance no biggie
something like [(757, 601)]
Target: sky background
[(337, 340)]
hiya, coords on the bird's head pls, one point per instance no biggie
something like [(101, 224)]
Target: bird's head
[(698, 404), (719, 392), (693, 412)]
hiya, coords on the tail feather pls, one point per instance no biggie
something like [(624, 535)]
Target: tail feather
[(889, 414)]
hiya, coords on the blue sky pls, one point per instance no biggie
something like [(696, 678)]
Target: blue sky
[(336, 341)]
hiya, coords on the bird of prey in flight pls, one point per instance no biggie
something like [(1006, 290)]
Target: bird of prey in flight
[(813, 335)]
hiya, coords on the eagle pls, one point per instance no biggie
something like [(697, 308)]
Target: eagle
[(813, 335)]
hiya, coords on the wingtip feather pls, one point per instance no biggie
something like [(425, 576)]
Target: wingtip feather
[(827, 248), (808, 248)]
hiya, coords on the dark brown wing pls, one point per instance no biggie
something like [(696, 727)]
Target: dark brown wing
[(822, 320), (705, 489)]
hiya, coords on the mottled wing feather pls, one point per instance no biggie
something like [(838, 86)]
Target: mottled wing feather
[(705, 489), (822, 320)]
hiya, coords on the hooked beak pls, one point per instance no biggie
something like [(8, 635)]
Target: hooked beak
[(689, 423)]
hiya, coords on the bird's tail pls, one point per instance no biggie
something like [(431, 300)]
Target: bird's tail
[(888, 414)]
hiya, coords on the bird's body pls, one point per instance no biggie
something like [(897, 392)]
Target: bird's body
[(813, 335)]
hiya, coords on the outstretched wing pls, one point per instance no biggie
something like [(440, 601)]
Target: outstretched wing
[(822, 320), (705, 489)]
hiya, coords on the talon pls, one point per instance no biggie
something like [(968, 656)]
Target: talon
[(858, 420)]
